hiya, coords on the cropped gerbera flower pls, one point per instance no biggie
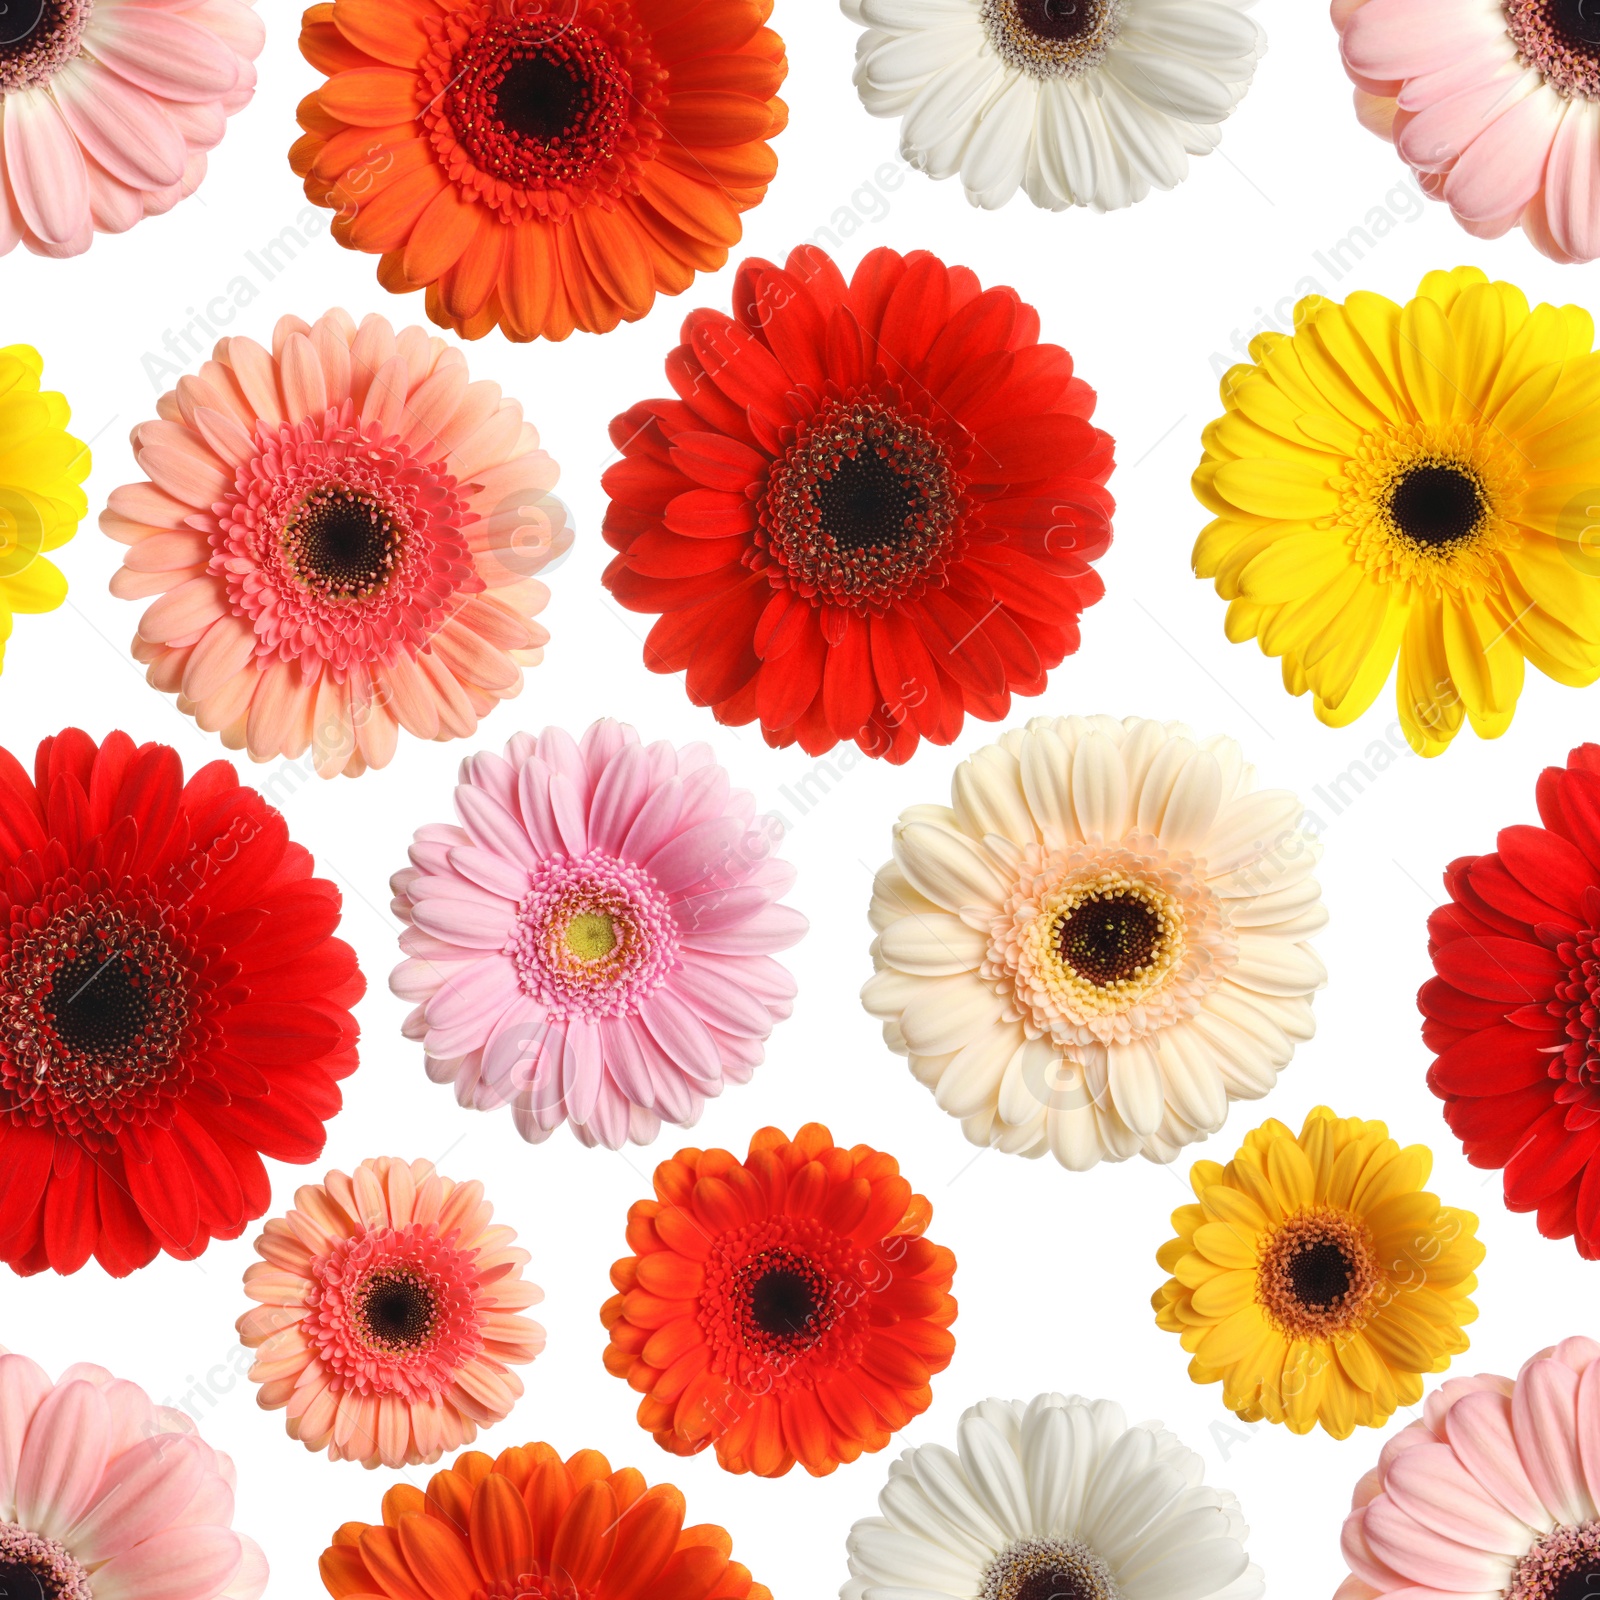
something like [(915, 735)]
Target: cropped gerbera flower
[(1491, 1494), (1411, 481), (104, 1496), (110, 107), (387, 1315), (1101, 943), (1039, 1504), (1514, 1013), (528, 1525), (780, 1309), (540, 165), (1497, 114), (42, 468), (1076, 102), (344, 535), (1317, 1280), (173, 1005), (593, 944), (871, 509)]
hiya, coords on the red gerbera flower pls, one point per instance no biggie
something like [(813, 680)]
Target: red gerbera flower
[(870, 510), (173, 1005), (1514, 1014)]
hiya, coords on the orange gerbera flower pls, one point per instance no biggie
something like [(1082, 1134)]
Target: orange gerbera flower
[(784, 1308), (540, 165), (530, 1526)]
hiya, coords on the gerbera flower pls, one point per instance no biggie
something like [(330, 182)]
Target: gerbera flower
[(173, 1005), (1496, 114), (1036, 1506), (594, 942), (540, 165), (1416, 481), (343, 535), (110, 107), (386, 1315), (529, 1525), (104, 1496), (1101, 943), (1083, 103), (41, 470), (784, 1308), (1512, 1015), (1317, 1280), (871, 509), (1491, 1494)]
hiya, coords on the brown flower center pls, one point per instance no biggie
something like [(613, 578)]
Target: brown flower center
[(1318, 1273), (1048, 1569), (38, 38), (1052, 38), (1109, 939), (396, 1310), (1563, 1565), (1560, 40)]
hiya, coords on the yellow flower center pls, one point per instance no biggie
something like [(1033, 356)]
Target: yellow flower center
[(1433, 505), (591, 936), (1318, 1274)]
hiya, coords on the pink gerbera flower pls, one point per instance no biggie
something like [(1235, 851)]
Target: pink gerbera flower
[(104, 1496), (387, 1317), (1493, 104), (594, 943), (107, 109), (344, 536), (1493, 1493)]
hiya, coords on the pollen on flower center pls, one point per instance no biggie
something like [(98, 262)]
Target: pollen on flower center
[(36, 1568), (591, 935), (1317, 1273), (396, 1309), (342, 542), (1560, 40), (1048, 1569), (38, 38), (1563, 1565), (1053, 38), (1110, 938), (863, 508)]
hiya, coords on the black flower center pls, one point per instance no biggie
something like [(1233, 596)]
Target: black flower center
[(1058, 21), (784, 1303), (20, 21), (341, 543), (1048, 1569), (1582, 1583), (1051, 1585), (866, 503), (398, 1311), (1320, 1274), (541, 99), (1577, 24), (23, 1583), (99, 1002), (1437, 506), (1108, 939)]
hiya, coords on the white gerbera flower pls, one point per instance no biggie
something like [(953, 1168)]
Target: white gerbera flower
[(1080, 102), (1100, 942), (1053, 1499)]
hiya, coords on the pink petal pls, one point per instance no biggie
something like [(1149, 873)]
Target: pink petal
[(619, 793), (143, 1491), (1572, 183), (581, 1069), (1501, 170), (120, 126), (473, 922), (717, 1002), (625, 1060), (602, 742), (490, 871), (23, 1386), (305, 394), (681, 1035), (1391, 39), (183, 613), (63, 1457), (45, 167), (656, 823), (1432, 140), (474, 994), (1432, 1486), (1415, 1552), (775, 928), (250, 1581), (162, 53), (694, 855), (493, 827), (179, 1564), (1544, 1415)]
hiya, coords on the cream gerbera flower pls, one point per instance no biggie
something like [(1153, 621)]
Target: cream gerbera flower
[(1101, 942), (1077, 102)]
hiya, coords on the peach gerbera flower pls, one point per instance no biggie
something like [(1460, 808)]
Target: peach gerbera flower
[(342, 535), (387, 1314), (540, 165)]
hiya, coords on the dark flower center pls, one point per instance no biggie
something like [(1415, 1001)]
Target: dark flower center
[(397, 1310), (341, 543), (1560, 40), (1437, 506), (1058, 20), (1110, 938), (38, 38), (1318, 1273), (35, 1568), (863, 509), (23, 1583), (1048, 1569), (1052, 38), (100, 1001), (539, 98), (783, 1302), (19, 22), (1575, 22), (1563, 1565)]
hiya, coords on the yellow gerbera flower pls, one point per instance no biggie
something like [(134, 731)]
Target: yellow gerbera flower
[(1420, 480), (41, 503), (1317, 1279)]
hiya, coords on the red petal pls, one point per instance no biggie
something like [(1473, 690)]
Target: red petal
[(1494, 1061), (1500, 969)]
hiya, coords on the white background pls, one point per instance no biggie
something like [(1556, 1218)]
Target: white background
[(1056, 1269)]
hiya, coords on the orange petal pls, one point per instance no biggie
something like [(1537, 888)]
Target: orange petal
[(385, 221), (646, 1538), (502, 1530), (372, 97), (587, 1534), (438, 1557), (618, 257), (390, 30), (442, 233)]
